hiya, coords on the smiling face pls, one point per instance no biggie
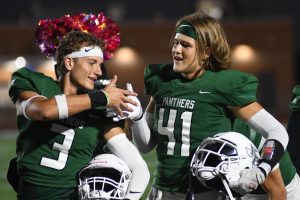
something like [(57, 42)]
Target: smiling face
[(83, 71)]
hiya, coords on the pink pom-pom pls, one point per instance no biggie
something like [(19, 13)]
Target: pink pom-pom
[(50, 31)]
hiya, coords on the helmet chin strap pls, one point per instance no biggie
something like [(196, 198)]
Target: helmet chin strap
[(226, 187)]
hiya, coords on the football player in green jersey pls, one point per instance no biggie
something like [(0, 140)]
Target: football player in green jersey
[(61, 122), (194, 98), (293, 127), (286, 170)]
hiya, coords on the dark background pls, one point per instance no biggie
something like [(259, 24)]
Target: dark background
[(272, 27), (24, 13)]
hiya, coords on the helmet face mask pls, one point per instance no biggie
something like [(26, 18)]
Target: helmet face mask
[(106, 177), (222, 157)]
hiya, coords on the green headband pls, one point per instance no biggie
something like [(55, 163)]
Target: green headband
[(187, 29)]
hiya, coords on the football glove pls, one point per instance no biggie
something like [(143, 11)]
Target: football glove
[(250, 179), (137, 110)]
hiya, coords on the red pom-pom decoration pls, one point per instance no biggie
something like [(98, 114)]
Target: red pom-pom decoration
[(50, 31)]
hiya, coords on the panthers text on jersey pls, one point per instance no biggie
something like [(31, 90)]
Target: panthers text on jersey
[(187, 111), (51, 153)]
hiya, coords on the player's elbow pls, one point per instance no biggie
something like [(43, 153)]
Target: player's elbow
[(142, 149), (144, 145), (39, 112), (141, 168)]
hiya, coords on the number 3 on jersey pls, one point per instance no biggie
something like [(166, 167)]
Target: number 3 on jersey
[(186, 118), (63, 148)]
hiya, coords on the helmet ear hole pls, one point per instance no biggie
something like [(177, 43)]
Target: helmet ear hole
[(219, 160), (86, 188)]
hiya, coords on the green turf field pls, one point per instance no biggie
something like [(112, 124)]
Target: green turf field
[(7, 151)]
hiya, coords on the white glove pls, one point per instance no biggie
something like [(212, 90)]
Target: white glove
[(248, 181), (137, 110)]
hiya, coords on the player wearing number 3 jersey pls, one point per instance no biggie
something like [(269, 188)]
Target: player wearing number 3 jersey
[(62, 123), (52, 148), (197, 97)]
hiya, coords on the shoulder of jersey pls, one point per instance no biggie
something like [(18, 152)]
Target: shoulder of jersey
[(30, 73), (162, 70)]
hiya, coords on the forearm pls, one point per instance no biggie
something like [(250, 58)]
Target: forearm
[(270, 128), (275, 134), (37, 107), (123, 148), (47, 109), (274, 186), (141, 133)]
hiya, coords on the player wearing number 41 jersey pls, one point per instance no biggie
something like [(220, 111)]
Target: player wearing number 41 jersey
[(188, 111), (197, 97)]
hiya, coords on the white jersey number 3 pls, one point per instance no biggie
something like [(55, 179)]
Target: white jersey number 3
[(63, 148), (186, 118)]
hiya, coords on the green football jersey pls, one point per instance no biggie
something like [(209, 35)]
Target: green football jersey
[(50, 153), (295, 103), (286, 166), (186, 112)]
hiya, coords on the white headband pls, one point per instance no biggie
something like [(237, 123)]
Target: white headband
[(87, 51)]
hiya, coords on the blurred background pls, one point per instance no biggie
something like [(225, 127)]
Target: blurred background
[(263, 36)]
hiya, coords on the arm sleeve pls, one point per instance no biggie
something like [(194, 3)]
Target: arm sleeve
[(123, 148), (141, 133), (276, 138)]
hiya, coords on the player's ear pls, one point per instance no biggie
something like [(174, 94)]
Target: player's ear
[(206, 53), (69, 63)]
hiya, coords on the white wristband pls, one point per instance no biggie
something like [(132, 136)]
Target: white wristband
[(62, 106)]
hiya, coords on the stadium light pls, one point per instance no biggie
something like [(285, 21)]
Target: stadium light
[(125, 56), (20, 62), (243, 54)]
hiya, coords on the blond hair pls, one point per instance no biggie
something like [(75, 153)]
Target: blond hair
[(209, 34)]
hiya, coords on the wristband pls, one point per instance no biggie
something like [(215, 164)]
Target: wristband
[(98, 98), (106, 95), (265, 168), (272, 152), (139, 118), (62, 106)]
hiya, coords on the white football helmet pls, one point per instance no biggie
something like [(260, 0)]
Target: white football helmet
[(218, 160), (106, 177)]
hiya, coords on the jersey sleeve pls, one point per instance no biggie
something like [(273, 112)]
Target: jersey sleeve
[(20, 82), (236, 88), (295, 103)]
